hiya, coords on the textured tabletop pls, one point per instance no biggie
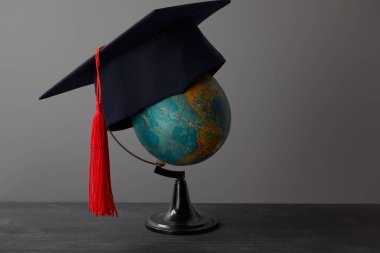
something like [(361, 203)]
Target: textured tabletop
[(63, 227)]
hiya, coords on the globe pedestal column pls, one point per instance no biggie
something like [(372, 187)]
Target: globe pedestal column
[(181, 217)]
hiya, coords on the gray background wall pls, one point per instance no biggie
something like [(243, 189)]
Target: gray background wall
[(302, 77)]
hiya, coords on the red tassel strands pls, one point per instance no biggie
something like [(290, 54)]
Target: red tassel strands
[(101, 202)]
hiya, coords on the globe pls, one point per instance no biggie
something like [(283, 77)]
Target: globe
[(188, 128)]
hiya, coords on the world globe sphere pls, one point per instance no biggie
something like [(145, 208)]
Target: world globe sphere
[(188, 128)]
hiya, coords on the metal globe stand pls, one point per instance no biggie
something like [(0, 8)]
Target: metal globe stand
[(181, 218)]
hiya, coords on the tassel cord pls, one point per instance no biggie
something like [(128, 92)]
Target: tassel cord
[(101, 202)]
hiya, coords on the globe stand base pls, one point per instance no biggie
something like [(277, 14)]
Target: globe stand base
[(181, 218)]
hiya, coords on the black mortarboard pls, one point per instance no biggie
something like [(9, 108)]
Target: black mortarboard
[(159, 56)]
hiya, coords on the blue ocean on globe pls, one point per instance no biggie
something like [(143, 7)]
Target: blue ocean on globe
[(187, 128)]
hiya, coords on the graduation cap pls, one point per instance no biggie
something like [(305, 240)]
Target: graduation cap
[(158, 57)]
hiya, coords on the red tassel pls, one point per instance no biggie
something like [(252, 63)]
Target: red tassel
[(101, 202)]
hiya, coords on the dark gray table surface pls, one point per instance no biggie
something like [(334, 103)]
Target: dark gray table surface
[(63, 227)]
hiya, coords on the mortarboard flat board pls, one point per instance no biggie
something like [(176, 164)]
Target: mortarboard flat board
[(158, 57)]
